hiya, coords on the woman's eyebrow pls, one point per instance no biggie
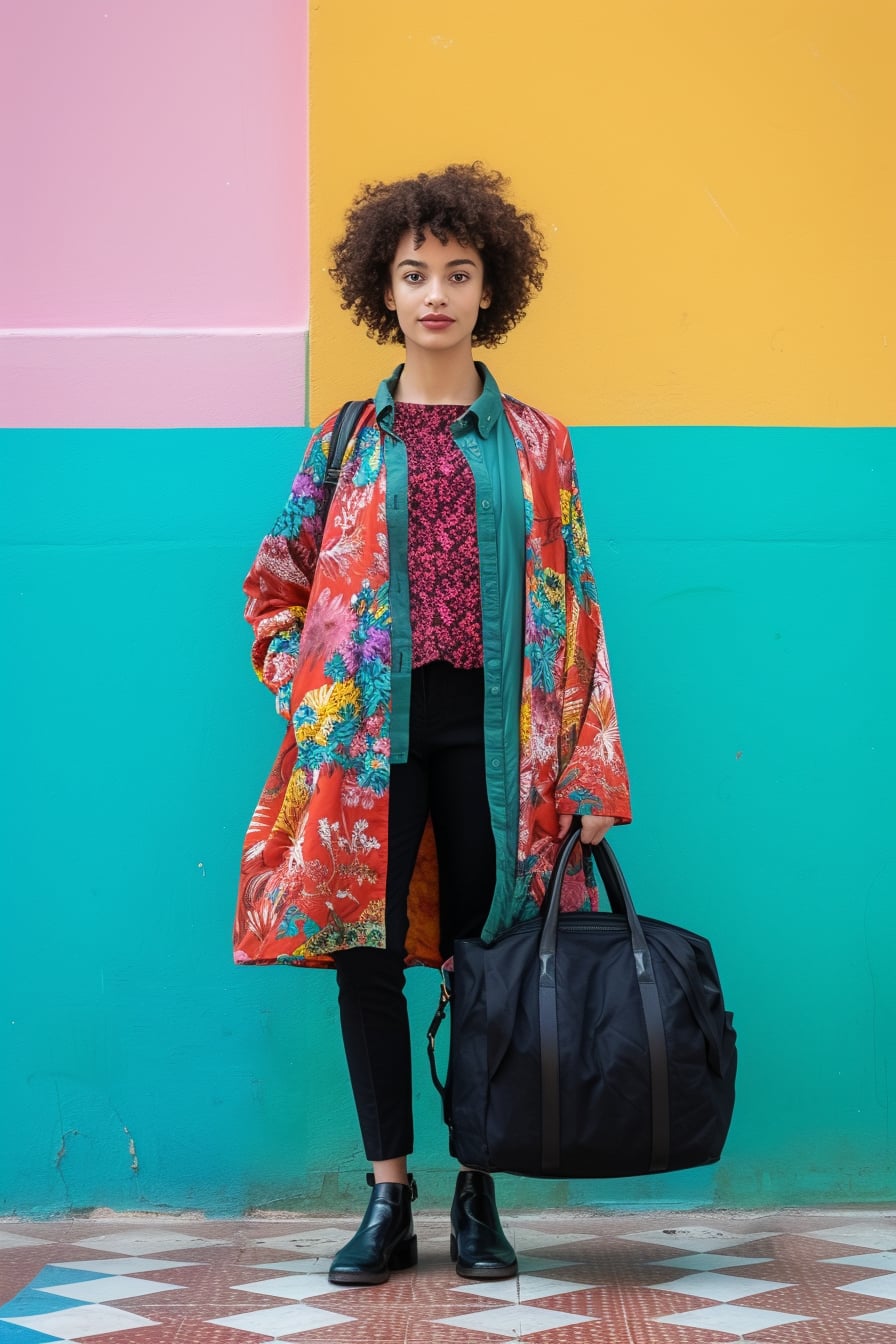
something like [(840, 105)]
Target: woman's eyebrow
[(424, 266)]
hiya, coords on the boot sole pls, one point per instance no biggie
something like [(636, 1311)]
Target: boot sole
[(480, 1271), (485, 1271)]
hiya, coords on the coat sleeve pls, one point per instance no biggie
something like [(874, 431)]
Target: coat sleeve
[(278, 585), (593, 778)]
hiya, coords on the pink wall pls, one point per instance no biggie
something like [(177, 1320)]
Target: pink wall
[(154, 172)]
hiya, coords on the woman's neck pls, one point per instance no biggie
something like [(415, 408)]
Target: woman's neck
[(443, 378)]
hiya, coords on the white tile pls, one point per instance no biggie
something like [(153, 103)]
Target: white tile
[(79, 1322), (718, 1287), (146, 1242), (279, 1321), (699, 1262), (123, 1264), (110, 1288), (526, 1288), (16, 1239), (533, 1264), (876, 1236), (742, 1321), (696, 1238), (312, 1264), (882, 1260), (521, 1238), (294, 1286), (530, 1239), (316, 1241), (882, 1286), (887, 1317), (514, 1322)]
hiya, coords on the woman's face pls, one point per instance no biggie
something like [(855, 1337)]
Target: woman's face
[(436, 291)]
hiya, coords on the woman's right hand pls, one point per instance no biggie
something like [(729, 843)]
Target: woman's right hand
[(593, 828)]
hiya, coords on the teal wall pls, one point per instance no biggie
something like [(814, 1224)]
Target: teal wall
[(746, 577)]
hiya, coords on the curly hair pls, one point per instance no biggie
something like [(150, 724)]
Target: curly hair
[(465, 200)]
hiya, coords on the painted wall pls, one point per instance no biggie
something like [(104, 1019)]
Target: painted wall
[(746, 565), (744, 614), (714, 180), (154, 230)]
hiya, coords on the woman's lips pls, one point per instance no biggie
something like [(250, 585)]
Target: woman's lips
[(437, 323)]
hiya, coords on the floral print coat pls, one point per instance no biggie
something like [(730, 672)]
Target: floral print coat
[(314, 860)]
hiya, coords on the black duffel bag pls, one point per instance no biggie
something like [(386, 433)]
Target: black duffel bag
[(586, 1045)]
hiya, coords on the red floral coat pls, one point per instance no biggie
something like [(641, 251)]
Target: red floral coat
[(314, 863)]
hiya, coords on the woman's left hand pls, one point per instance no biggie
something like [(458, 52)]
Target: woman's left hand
[(593, 828)]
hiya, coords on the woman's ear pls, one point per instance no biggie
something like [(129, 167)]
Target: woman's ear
[(389, 299), (486, 299)]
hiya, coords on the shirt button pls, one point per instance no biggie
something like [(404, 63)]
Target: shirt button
[(494, 690), (486, 503), (496, 762)]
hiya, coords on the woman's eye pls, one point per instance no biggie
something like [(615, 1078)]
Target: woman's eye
[(413, 276), (460, 275)]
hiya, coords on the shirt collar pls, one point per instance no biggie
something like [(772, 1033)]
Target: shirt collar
[(482, 416)]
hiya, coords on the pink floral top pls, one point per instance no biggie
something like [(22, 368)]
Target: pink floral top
[(443, 556)]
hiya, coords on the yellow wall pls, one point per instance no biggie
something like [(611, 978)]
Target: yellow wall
[(715, 180)]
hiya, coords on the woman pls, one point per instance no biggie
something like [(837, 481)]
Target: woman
[(437, 650)]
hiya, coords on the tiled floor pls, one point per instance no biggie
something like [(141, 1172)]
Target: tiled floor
[(704, 1278)]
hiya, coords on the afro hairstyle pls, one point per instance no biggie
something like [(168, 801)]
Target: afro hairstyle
[(467, 201)]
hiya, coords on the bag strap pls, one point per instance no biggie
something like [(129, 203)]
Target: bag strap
[(621, 903), (344, 428), (438, 1019)]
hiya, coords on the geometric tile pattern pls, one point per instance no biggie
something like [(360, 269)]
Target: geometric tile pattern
[(516, 1322), (872, 1234), (807, 1278), (742, 1322), (880, 1317)]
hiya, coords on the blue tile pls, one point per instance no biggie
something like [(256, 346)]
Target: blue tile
[(20, 1334), (32, 1302), (50, 1275)]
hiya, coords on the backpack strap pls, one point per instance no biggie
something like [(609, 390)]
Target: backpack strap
[(344, 428)]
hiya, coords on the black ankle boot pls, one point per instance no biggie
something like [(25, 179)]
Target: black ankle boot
[(384, 1241), (477, 1242)]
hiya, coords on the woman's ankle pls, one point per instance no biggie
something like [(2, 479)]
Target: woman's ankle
[(392, 1169)]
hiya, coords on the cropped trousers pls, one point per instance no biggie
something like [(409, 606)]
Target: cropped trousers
[(443, 777)]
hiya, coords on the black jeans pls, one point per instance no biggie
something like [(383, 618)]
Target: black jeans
[(444, 777)]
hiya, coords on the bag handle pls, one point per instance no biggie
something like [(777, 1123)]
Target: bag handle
[(621, 904), (438, 1019)]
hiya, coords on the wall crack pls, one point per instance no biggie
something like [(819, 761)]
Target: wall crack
[(132, 1150)]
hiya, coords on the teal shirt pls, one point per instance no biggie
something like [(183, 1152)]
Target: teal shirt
[(486, 440)]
